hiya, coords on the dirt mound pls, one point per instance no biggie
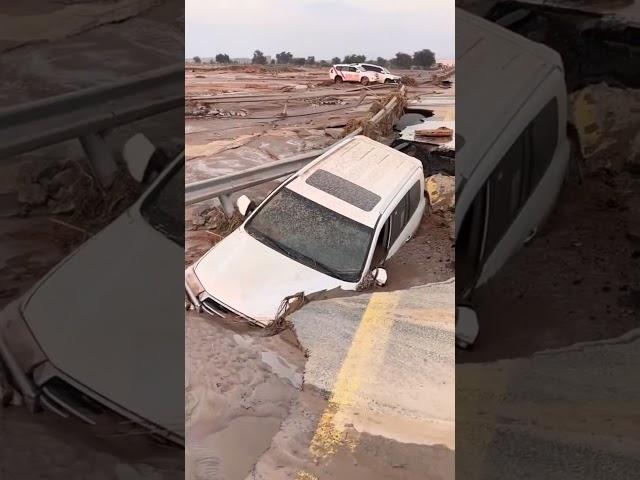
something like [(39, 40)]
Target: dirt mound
[(408, 80)]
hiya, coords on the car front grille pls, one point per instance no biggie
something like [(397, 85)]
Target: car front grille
[(215, 308)]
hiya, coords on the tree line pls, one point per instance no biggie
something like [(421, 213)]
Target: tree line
[(424, 58)]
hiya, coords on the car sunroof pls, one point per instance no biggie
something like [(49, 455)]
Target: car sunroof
[(343, 189)]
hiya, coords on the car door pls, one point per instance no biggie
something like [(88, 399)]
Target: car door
[(352, 74)]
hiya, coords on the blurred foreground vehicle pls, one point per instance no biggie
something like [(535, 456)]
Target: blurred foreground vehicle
[(511, 157), (101, 331), (330, 225)]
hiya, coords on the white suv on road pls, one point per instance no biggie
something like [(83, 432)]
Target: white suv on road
[(330, 225), (384, 75), (352, 73)]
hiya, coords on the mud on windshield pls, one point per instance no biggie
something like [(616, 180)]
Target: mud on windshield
[(313, 235)]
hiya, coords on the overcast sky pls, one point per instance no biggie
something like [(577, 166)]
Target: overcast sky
[(322, 28)]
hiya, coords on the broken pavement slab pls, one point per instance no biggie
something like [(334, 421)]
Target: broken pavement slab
[(527, 418), (378, 355)]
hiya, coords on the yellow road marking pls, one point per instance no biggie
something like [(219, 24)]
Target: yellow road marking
[(362, 361)]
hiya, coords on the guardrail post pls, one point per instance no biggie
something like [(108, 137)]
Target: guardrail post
[(227, 205), (101, 161)]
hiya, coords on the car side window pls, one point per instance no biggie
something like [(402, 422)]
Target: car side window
[(520, 170), (507, 192), (414, 198), (399, 218), (382, 245), (469, 243), (544, 140)]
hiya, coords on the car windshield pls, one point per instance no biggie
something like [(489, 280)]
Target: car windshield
[(312, 235), (163, 209)]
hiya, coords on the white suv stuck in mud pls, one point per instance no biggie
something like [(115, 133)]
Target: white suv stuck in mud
[(331, 225), (352, 73), (384, 75)]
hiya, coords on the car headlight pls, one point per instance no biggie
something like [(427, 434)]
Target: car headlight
[(193, 286)]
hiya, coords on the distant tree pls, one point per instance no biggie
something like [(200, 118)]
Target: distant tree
[(335, 60), (324, 63), (402, 60), (354, 58), (424, 58), (273, 61), (197, 59), (299, 61), (311, 60), (259, 58), (223, 58), (383, 62), (284, 57)]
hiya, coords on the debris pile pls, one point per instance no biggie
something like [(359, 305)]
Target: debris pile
[(50, 187), (66, 188), (210, 218), (201, 110), (606, 120), (441, 192), (408, 80), (319, 102)]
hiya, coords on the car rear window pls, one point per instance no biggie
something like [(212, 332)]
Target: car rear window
[(344, 190)]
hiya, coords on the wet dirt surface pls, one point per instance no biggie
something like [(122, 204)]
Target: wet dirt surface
[(427, 258), (239, 387)]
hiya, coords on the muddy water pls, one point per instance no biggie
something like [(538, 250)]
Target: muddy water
[(239, 388), (230, 453)]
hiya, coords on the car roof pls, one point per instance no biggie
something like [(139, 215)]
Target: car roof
[(357, 178), (497, 71)]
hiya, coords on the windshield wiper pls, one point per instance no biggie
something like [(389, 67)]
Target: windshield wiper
[(274, 244), (300, 257)]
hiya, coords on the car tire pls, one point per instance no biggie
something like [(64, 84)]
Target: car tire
[(388, 80), (338, 79), (364, 81)]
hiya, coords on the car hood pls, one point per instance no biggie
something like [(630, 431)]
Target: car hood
[(253, 279), (108, 317)]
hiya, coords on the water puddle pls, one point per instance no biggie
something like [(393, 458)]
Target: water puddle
[(283, 369)]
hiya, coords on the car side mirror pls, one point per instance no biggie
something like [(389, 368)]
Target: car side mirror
[(467, 326), (137, 153), (245, 205), (380, 276)]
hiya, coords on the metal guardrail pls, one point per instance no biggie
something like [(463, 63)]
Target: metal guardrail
[(88, 113), (223, 186)]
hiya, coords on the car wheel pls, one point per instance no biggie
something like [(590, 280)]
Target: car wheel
[(364, 80), (388, 80), (338, 79)]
